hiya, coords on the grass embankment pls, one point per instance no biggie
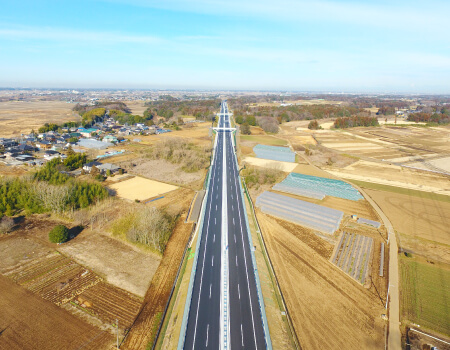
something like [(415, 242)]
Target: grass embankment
[(425, 293), (264, 140), (401, 190)]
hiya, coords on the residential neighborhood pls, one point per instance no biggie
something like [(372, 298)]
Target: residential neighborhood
[(35, 149)]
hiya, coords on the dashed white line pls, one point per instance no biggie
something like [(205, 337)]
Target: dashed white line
[(233, 222), (234, 238), (237, 265), (242, 336), (207, 335), (210, 286), (214, 238), (239, 290), (212, 261)]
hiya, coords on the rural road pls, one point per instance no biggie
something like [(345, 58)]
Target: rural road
[(224, 312)]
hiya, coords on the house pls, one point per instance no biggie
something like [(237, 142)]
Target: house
[(87, 132), (88, 166), (43, 144), (49, 155), (108, 166), (109, 138)]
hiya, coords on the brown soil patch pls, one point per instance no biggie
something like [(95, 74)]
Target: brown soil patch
[(321, 299), (421, 221), (29, 322), (122, 265), (141, 188), (11, 170), (143, 330), (18, 117)]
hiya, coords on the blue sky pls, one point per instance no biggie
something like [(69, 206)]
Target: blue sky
[(348, 46)]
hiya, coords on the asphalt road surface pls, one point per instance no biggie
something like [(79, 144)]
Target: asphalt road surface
[(204, 320)]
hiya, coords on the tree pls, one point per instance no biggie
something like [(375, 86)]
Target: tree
[(239, 119), (245, 129), (313, 125), (108, 172), (70, 151), (251, 120), (94, 171), (59, 234)]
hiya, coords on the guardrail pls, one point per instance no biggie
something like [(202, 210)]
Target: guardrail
[(255, 269), (187, 306)]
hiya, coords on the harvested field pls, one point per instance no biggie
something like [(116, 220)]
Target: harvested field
[(30, 322), (271, 164), (110, 304), (141, 188), (425, 292), (414, 216), (144, 328), (322, 299), (384, 173), (353, 255), (264, 140), (17, 117), (54, 278), (121, 264)]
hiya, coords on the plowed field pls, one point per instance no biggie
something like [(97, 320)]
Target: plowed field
[(29, 322)]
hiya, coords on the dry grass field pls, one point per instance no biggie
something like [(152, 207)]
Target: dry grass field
[(271, 164), (424, 223), (17, 117), (140, 188), (393, 175)]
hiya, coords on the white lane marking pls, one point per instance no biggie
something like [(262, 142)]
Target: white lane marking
[(237, 265), (207, 334), (234, 238), (242, 336), (216, 207), (233, 222), (217, 196), (215, 221), (214, 238), (245, 261), (239, 290), (232, 207), (210, 286), (212, 261)]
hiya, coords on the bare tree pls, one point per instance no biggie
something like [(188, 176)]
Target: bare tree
[(6, 224)]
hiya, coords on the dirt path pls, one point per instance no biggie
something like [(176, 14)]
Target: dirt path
[(144, 328), (394, 337)]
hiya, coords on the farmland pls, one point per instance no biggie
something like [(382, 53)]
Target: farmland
[(30, 322), (424, 293), (18, 117), (140, 188), (321, 299)]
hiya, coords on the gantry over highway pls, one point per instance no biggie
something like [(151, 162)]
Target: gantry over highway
[(224, 308)]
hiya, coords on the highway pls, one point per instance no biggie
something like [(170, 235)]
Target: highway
[(224, 310)]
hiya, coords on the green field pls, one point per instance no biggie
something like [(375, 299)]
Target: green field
[(401, 190), (425, 294), (264, 140)]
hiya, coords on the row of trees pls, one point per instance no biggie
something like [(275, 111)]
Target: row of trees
[(342, 123), (47, 190), (57, 127), (437, 118)]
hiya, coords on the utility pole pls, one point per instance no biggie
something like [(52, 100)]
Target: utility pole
[(117, 324)]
